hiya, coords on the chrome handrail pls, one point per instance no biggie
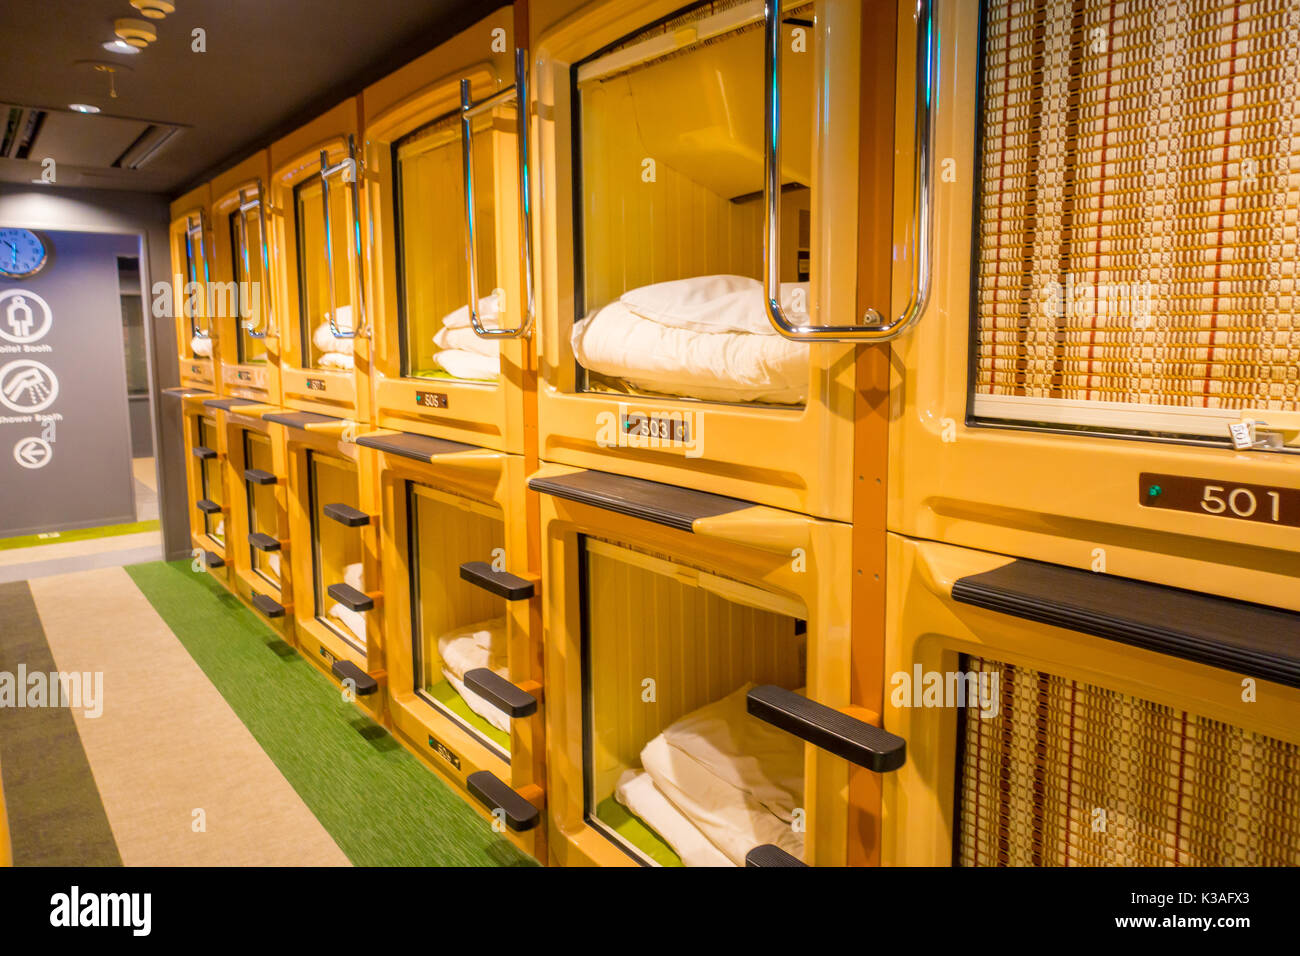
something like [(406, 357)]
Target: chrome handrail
[(201, 229), (468, 110), (872, 329), (245, 205), (347, 166)]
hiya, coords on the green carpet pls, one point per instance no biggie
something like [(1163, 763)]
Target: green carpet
[(77, 534), (378, 802)]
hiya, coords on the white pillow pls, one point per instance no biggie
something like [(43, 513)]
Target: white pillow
[(326, 341), (462, 364), (722, 303), (201, 346), (489, 307)]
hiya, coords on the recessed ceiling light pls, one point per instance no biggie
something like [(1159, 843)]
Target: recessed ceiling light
[(120, 46), (83, 107)]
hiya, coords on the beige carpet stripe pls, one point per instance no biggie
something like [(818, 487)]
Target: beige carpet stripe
[(167, 743)]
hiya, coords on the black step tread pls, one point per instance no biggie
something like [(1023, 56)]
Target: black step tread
[(833, 731), (501, 583), (267, 605), (362, 683), (263, 542), (185, 392), (346, 514), (418, 447), (229, 403), (207, 506), (213, 560), (257, 476), (487, 789), (203, 452), (1250, 639), (769, 854), (500, 693), (669, 505), (350, 597)]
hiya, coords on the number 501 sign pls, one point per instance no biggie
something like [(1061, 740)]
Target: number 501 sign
[(1224, 499)]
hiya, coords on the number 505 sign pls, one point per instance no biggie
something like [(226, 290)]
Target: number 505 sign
[(1224, 499)]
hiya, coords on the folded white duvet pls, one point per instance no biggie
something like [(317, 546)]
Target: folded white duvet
[(470, 365), (636, 790), (714, 366), (201, 346), (343, 360), (734, 777), (476, 645), (718, 303), (466, 340), (350, 620), (489, 308)]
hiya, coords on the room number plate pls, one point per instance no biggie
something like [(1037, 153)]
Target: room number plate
[(1221, 498)]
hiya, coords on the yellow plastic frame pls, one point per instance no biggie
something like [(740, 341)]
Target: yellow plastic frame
[(803, 559), (489, 415), (294, 160), (195, 371), (192, 412), (487, 481), (775, 456)]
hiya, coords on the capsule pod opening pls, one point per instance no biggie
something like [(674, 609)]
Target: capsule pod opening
[(1075, 718), (243, 295), (697, 649), (465, 677), (322, 245), (658, 352), (190, 238), (209, 511), (335, 553), (259, 551), (435, 372)]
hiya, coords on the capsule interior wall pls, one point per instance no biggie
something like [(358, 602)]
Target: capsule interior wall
[(446, 531), (663, 639)]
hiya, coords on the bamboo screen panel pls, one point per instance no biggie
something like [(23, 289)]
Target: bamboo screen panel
[(1069, 774), (1138, 195)]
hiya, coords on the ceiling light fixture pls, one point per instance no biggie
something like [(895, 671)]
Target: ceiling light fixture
[(120, 46), (138, 33), (154, 9), (83, 108)]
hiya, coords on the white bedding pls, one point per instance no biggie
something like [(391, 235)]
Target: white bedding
[(489, 308), (476, 645), (201, 346), (714, 366), (352, 621), (324, 338), (734, 778), (466, 340), (636, 790), (717, 303), (335, 360), (471, 365)]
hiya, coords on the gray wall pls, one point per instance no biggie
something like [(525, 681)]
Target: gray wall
[(145, 215), (82, 475)]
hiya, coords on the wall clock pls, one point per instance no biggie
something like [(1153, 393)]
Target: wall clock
[(22, 253)]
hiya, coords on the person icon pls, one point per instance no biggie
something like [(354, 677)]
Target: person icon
[(20, 318)]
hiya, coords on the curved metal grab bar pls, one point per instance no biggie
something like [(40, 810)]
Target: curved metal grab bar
[(347, 166), (201, 228), (246, 204), (872, 329), (468, 110)]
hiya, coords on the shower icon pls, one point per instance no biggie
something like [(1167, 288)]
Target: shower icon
[(27, 386)]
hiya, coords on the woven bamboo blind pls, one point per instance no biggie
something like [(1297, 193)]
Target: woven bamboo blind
[(1069, 774), (1139, 188)]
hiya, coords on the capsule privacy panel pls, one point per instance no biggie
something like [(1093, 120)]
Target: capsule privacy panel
[(1071, 774), (214, 525), (1137, 203), (263, 513), (670, 154), (193, 295), (246, 254), (453, 615), (320, 348), (431, 233), (662, 641), (336, 548)]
